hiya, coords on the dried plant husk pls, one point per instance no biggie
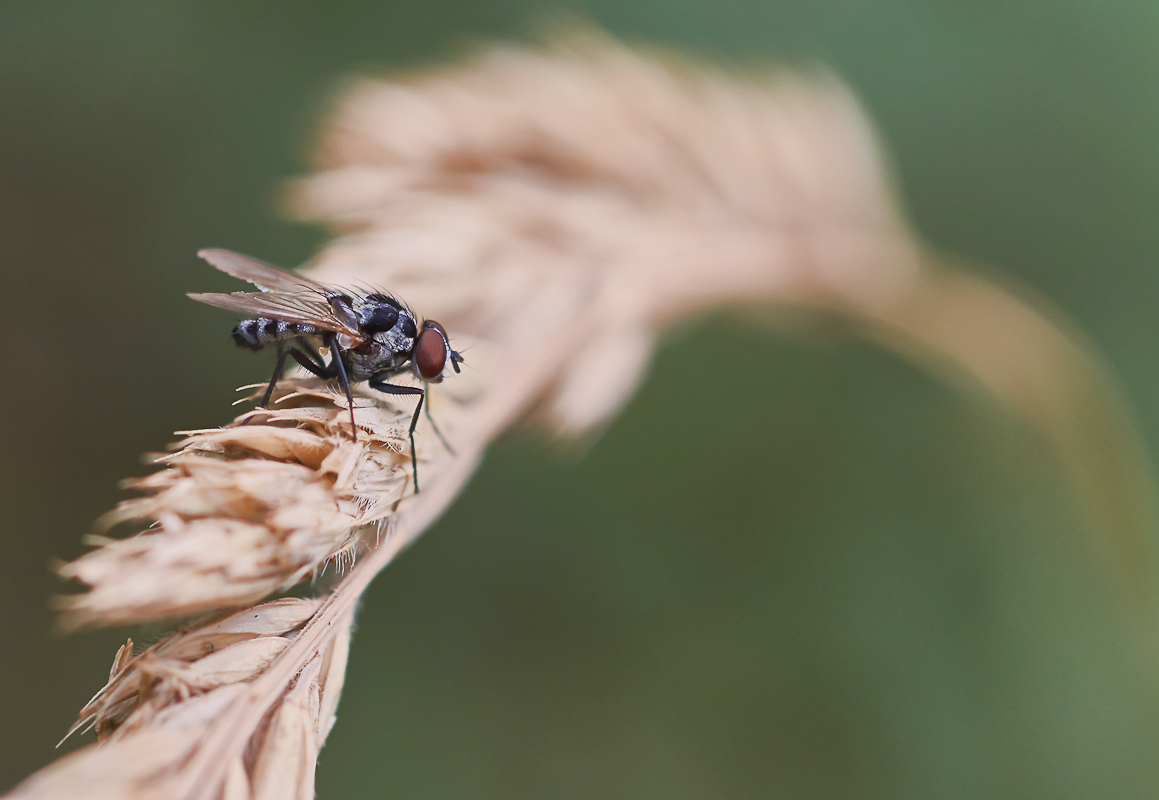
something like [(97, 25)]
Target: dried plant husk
[(556, 210), (237, 513), (159, 706)]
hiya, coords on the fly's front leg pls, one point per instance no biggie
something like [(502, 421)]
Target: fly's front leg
[(390, 388), (438, 432)]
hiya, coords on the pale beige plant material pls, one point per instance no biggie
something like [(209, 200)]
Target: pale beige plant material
[(158, 707), (556, 210), (240, 512)]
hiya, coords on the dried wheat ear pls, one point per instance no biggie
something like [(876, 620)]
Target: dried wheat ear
[(555, 210), (238, 513)]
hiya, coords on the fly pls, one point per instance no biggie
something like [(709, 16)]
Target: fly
[(370, 337)]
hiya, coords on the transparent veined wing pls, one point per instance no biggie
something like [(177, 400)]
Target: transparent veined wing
[(265, 276), (309, 309)]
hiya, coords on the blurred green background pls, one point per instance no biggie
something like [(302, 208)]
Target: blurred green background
[(861, 585)]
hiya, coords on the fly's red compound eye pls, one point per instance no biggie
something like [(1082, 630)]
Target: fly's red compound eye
[(430, 353)]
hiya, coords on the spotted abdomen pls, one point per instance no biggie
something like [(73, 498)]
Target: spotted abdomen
[(254, 334)]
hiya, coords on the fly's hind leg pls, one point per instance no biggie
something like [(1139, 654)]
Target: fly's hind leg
[(390, 388), (278, 367), (308, 361), (311, 364)]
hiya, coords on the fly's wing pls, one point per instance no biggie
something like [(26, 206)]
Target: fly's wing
[(265, 276), (307, 309)]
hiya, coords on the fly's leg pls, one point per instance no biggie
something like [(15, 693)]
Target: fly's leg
[(278, 367), (438, 432), (310, 364), (337, 364), (302, 358), (310, 350), (313, 364), (390, 388)]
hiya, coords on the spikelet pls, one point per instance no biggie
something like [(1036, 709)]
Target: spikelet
[(555, 210), (159, 706), (239, 512)]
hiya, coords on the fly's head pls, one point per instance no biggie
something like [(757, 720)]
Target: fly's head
[(433, 354)]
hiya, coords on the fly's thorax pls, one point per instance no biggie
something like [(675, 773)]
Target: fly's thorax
[(400, 338), (372, 357), (390, 329), (387, 321)]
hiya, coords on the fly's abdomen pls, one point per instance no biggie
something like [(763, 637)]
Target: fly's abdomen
[(254, 334)]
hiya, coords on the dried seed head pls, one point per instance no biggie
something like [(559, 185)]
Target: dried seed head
[(157, 708), (192, 662), (240, 512)]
